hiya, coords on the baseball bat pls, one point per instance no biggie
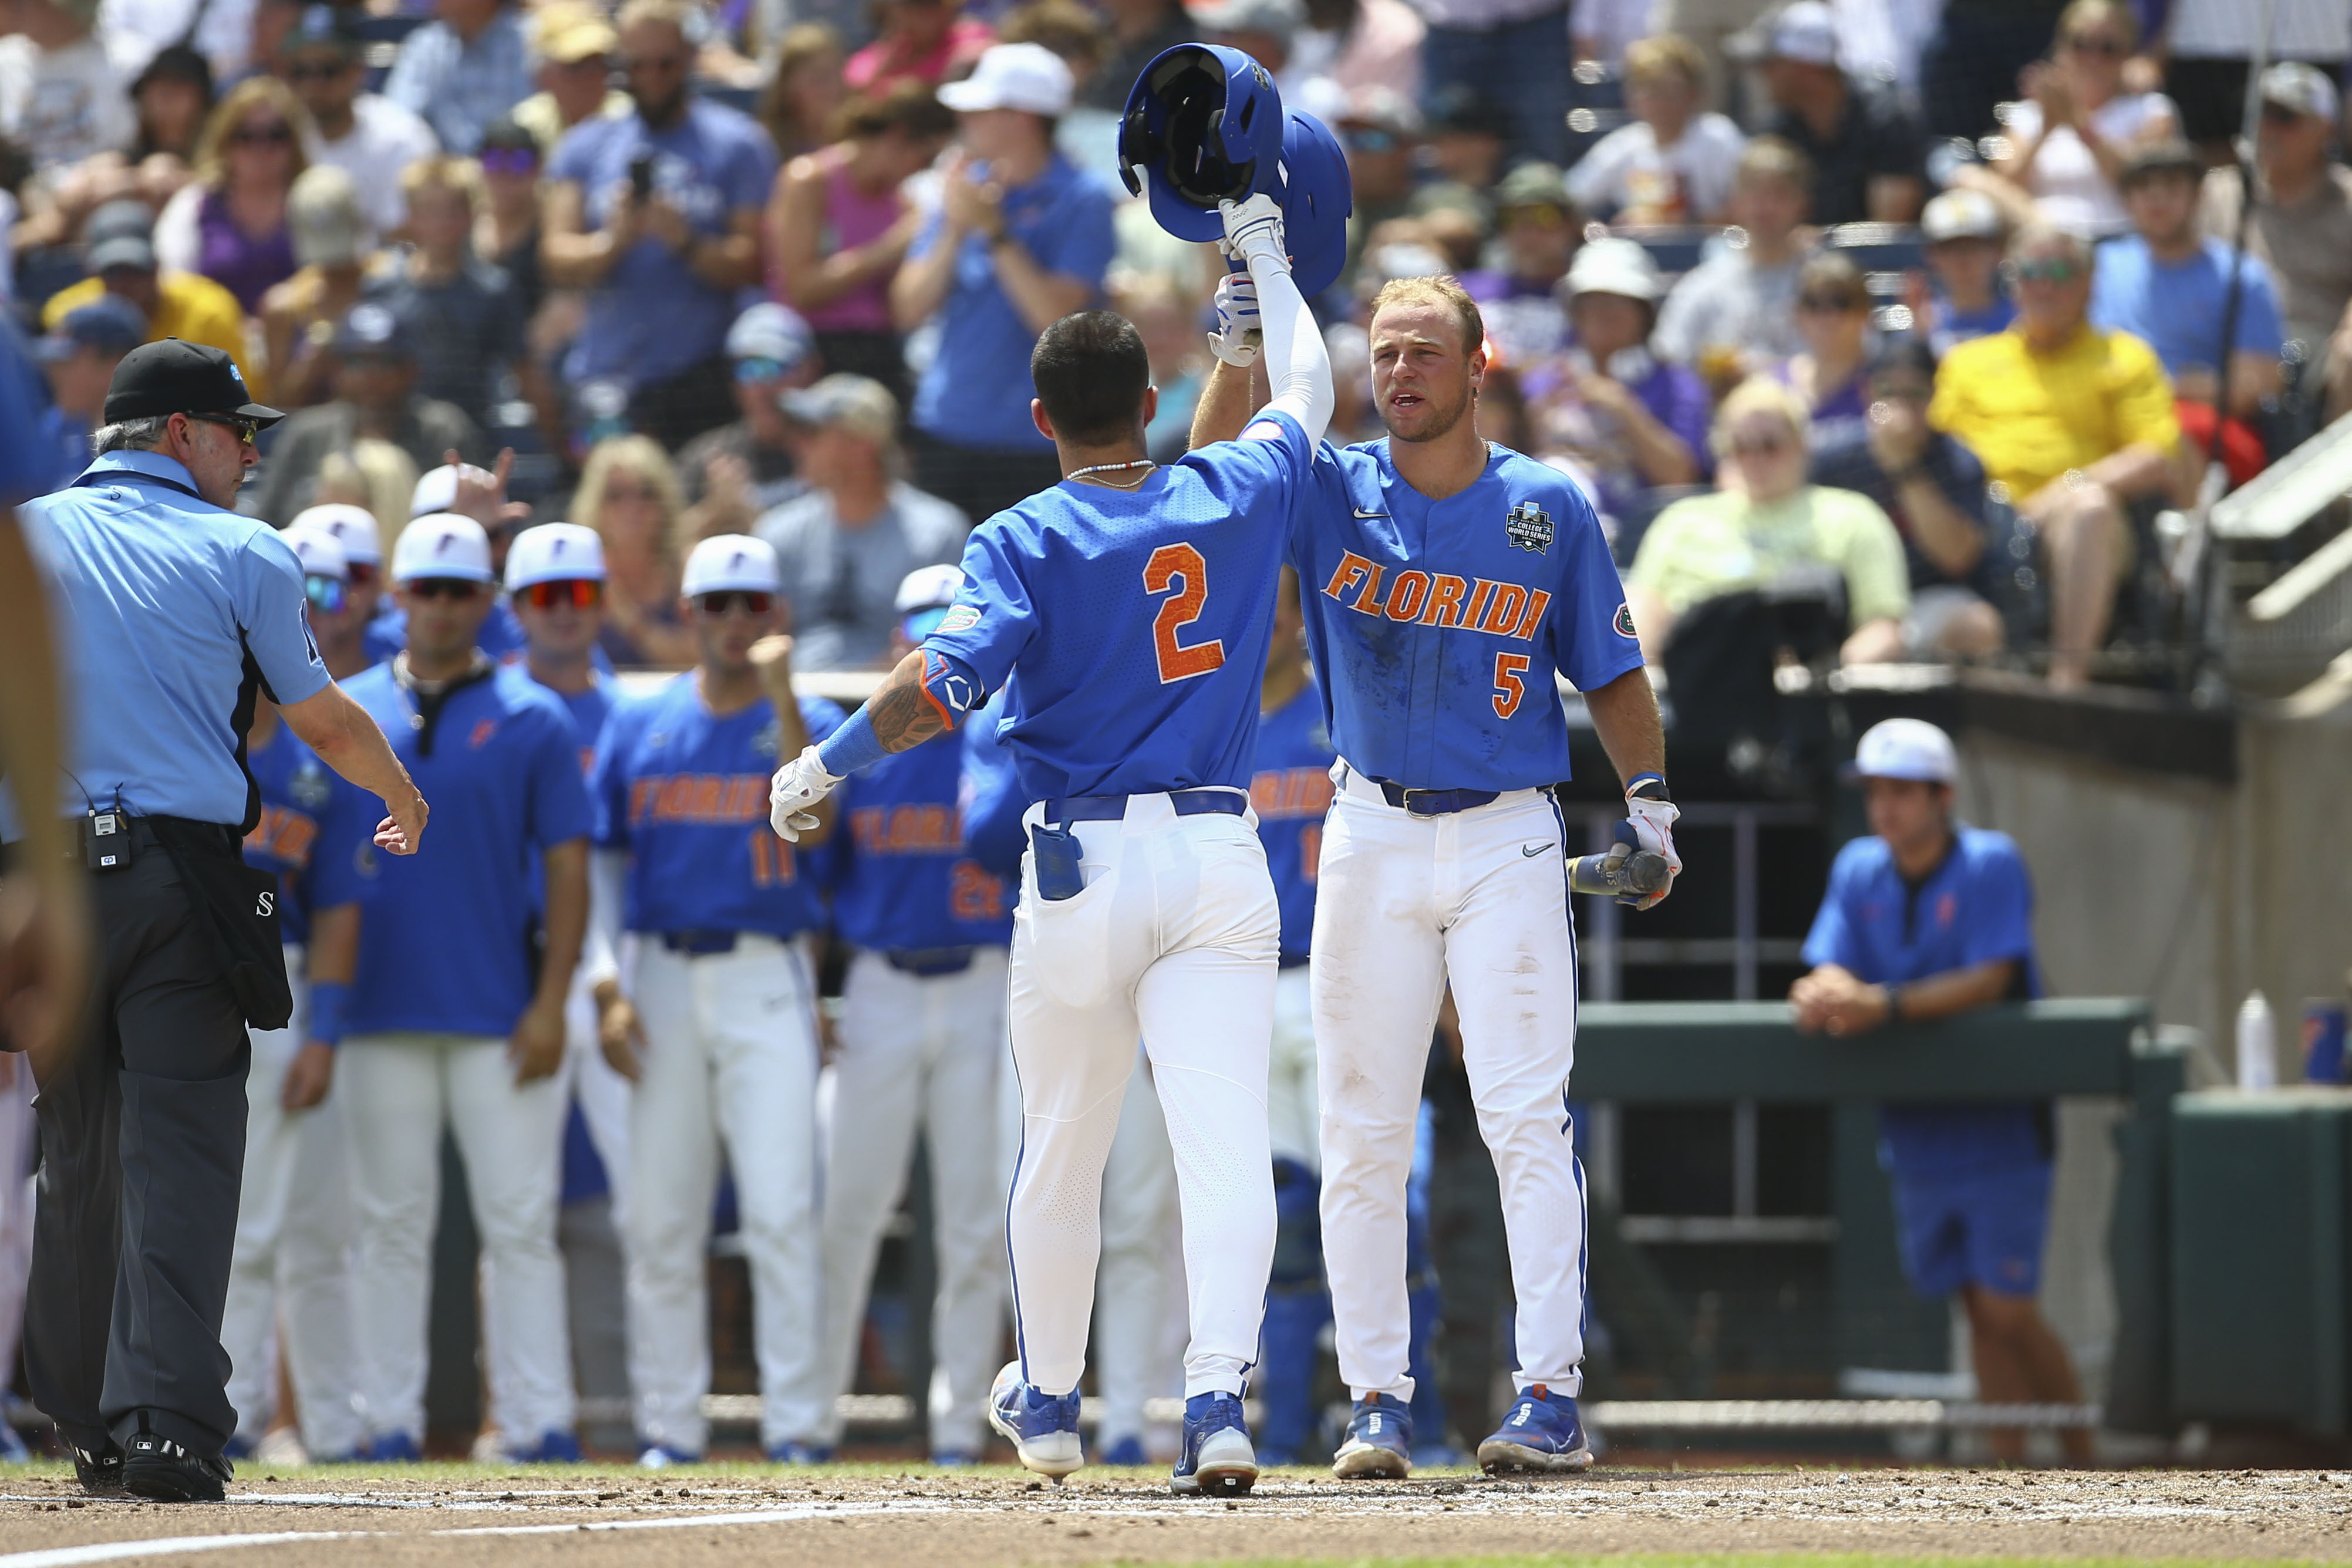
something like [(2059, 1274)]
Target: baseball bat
[(1623, 873)]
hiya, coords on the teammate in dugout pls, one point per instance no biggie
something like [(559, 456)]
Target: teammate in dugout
[(1127, 611), (555, 587), (1445, 580), (717, 1020), (1926, 918), (922, 1035), (294, 1218), (455, 1019)]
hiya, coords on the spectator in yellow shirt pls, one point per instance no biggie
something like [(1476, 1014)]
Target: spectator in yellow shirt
[(120, 251), (2075, 423), (1766, 524)]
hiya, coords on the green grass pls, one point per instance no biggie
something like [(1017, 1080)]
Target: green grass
[(1757, 1560)]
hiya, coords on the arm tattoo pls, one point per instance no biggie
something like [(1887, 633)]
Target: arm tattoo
[(902, 714)]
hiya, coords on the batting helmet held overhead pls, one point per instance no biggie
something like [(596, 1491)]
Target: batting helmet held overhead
[(1203, 125), (1315, 197)]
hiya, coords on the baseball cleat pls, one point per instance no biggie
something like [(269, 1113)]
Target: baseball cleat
[(1380, 1441), (395, 1449), (1217, 1460), (1542, 1433), (1127, 1453), (1042, 1428), (555, 1447), (162, 1470), (661, 1457), (795, 1452), (954, 1458), (100, 1473)]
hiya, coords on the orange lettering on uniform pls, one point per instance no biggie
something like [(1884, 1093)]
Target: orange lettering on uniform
[(707, 788), (1350, 572), (1537, 602), (1404, 599), (1310, 850), (1368, 601), (1503, 615), (1445, 592), (1265, 792), (1477, 604)]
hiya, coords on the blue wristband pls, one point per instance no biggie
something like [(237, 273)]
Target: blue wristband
[(1635, 782), (852, 747), (328, 1000)]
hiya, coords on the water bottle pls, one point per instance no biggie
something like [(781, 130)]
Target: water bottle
[(2257, 1044)]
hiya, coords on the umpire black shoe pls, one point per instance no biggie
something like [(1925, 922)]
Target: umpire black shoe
[(100, 1473), (162, 1470)]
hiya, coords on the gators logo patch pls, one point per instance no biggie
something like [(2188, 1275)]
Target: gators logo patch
[(960, 616), (1623, 621)]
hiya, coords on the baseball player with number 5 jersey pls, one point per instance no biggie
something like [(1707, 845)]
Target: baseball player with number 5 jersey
[(1445, 582), (1127, 613), (717, 1024)]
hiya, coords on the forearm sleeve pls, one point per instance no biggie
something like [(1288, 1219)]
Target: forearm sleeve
[(1297, 366), (608, 878)]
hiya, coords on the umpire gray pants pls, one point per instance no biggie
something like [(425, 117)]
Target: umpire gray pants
[(143, 1152)]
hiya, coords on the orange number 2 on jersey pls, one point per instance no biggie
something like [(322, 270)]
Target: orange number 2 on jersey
[(1508, 687), (1170, 565)]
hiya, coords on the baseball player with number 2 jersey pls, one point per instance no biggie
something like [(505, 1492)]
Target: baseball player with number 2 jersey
[(1127, 613), (1445, 582)]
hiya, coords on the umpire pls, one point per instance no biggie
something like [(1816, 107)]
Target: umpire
[(175, 612)]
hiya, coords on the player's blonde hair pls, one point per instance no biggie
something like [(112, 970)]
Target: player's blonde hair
[(375, 475), (642, 457), (1441, 291)]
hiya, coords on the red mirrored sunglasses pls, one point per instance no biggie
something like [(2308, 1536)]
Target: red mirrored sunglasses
[(580, 592)]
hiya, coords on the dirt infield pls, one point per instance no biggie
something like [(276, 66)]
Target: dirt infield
[(887, 1516)]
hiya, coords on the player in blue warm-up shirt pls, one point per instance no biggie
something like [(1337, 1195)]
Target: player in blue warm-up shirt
[(456, 1017), (1448, 582), (1126, 613), (921, 1036), (722, 996), (294, 1218), (1928, 917)]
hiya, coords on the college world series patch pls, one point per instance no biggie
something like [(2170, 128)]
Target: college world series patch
[(1528, 527)]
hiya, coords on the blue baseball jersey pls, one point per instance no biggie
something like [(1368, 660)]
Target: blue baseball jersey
[(317, 831), (991, 797), (1437, 626), (1129, 629), (449, 946), (1975, 908), (898, 867), (1291, 792), (685, 792), (588, 711)]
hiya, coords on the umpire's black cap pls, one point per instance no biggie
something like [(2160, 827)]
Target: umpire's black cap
[(177, 377)]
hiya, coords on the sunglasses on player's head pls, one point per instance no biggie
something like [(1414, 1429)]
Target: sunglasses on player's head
[(363, 572), (328, 595), (580, 592), (456, 588), (719, 605)]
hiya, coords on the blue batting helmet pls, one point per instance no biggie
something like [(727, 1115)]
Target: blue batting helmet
[(1315, 197), (1203, 125)]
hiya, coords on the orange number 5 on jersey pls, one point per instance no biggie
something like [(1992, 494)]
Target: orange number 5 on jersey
[(1508, 687), (1170, 565)]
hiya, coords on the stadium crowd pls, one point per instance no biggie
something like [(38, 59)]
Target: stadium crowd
[(1922, 306)]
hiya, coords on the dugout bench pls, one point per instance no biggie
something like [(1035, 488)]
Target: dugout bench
[(1698, 1053)]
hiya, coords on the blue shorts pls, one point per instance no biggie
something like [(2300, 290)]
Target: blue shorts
[(1977, 1227)]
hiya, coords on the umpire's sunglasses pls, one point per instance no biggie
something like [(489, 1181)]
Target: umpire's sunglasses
[(328, 595), (246, 429), (717, 605), (578, 592)]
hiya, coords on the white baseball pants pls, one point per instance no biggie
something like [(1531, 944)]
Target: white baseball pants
[(1174, 936), (1290, 1089), (730, 1054), (19, 1142), (919, 1049), (1404, 904), (602, 1094), (398, 1091), (1138, 1344), (293, 1249)]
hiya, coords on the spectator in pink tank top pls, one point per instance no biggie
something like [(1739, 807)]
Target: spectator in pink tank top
[(838, 228), (923, 40)]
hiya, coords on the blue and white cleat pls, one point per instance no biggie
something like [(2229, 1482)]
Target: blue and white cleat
[(1379, 1447), (1218, 1460), (1042, 1428), (793, 1451), (1127, 1452), (1542, 1433)]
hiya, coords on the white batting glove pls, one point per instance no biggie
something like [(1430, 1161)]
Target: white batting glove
[(1653, 821), (799, 785), (1238, 338), (1254, 231)]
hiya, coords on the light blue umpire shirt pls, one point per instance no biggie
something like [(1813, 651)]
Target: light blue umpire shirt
[(166, 606)]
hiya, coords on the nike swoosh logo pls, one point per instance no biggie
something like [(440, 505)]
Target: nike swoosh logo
[(1361, 513), (1530, 852)]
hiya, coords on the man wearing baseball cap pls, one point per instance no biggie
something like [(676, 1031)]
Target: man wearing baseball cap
[(857, 530), (1926, 918), (119, 250), (737, 471), (1023, 237), (342, 635), (365, 134), (1965, 233), (175, 614), (80, 357), (1869, 156), (456, 1012), (715, 1019), (2302, 220)]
